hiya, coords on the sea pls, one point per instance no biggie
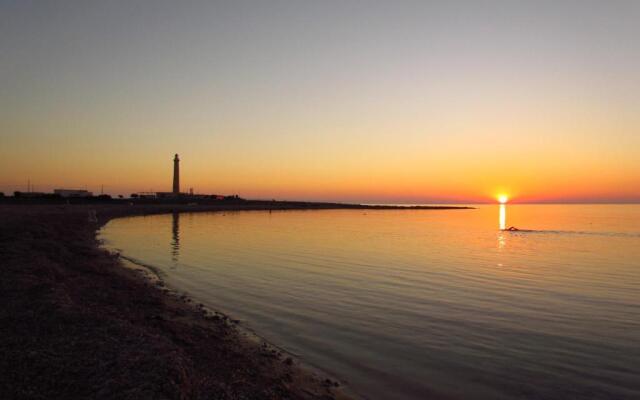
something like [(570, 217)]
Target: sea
[(421, 304)]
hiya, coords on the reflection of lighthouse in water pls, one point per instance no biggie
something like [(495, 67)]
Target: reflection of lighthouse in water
[(175, 238)]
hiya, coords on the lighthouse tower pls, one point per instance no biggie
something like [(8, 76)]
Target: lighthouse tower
[(176, 176)]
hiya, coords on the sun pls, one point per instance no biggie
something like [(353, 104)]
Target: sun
[(503, 198)]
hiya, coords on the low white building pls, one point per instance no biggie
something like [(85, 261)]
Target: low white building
[(72, 193)]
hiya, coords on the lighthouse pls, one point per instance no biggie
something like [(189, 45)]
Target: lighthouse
[(176, 176)]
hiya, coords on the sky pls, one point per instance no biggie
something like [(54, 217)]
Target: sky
[(369, 101)]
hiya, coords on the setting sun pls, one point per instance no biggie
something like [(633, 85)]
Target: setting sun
[(503, 198)]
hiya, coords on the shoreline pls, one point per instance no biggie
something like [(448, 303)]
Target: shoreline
[(77, 323), (154, 277)]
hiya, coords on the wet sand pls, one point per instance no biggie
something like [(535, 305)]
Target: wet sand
[(75, 324)]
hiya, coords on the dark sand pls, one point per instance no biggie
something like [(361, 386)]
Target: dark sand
[(75, 324)]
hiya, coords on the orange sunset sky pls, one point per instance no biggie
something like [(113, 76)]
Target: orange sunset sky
[(343, 101)]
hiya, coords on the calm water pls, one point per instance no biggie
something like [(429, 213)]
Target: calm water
[(412, 304)]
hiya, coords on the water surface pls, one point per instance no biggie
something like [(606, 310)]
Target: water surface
[(412, 304)]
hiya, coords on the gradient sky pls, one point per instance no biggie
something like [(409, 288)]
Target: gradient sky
[(368, 101)]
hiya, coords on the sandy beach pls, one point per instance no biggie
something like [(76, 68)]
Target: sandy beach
[(76, 324)]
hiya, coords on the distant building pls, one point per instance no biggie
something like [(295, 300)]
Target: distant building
[(176, 176), (72, 193), (176, 182), (29, 194), (145, 195), (175, 193)]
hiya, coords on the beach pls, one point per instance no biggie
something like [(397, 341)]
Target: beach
[(77, 324)]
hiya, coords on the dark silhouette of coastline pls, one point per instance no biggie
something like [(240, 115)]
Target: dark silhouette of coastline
[(209, 202)]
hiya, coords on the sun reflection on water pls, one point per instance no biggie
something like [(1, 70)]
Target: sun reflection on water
[(502, 222)]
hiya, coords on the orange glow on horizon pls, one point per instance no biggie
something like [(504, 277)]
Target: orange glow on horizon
[(441, 112)]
